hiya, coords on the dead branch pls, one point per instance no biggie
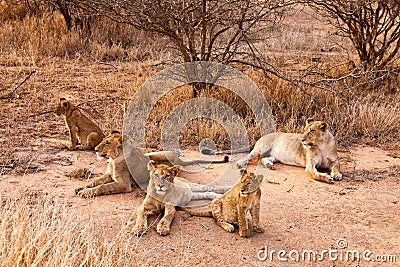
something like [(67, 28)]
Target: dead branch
[(41, 113), (10, 94)]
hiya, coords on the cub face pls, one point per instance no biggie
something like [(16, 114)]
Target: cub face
[(110, 146), (314, 132), (162, 176), (63, 107), (249, 182)]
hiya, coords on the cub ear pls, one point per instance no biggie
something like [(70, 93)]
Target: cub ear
[(309, 120), (118, 139), (151, 165), (62, 99), (115, 132), (175, 169), (243, 171), (323, 126)]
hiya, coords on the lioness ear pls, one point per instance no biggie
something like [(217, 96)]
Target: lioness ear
[(309, 120), (175, 169), (151, 165), (323, 126), (243, 171)]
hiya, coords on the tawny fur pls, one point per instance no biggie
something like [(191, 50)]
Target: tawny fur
[(315, 148), (118, 178), (164, 192), (231, 209), (82, 130)]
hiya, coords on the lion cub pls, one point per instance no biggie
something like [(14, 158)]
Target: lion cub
[(315, 148), (231, 209), (81, 128), (165, 191)]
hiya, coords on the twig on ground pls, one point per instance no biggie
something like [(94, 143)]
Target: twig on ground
[(204, 226), (271, 182), (290, 189), (9, 95), (41, 113)]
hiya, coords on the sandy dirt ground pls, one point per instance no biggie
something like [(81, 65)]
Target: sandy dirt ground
[(360, 213)]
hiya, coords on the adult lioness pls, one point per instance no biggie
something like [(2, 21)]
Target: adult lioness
[(164, 192), (315, 148), (231, 209), (117, 178), (81, 128)]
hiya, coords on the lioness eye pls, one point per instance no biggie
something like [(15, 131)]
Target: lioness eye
[(311, 131)]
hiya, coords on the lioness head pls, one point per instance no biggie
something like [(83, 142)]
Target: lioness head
[(63, 107), (314, 132), (111, 145), (162, 176), (249, 182)]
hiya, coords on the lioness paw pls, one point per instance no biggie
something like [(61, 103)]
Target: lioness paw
[(267, 163), (163, 229), (78, 189), (85, 193)]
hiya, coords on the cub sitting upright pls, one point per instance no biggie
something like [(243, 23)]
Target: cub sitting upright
[(231, 209), (81, 128)]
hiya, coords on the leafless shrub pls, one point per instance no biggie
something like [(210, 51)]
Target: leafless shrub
[(373, 26)]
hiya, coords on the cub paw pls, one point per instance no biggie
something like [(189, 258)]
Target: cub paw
[(139, 230), (337, 176), (258, 229), (244, 233), (163, 229), (228, 227)]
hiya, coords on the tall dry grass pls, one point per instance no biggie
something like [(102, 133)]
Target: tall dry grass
[(36, 230)]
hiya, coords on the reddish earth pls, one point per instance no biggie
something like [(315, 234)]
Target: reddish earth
[(298, 214)]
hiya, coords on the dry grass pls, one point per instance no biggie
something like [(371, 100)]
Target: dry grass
[(36, 230)]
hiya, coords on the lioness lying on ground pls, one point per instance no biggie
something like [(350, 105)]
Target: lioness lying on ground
[(117, 178), (81, 128), (231, 209), (165, 191), (315, 148)]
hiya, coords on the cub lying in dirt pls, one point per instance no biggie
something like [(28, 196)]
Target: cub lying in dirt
[(81, 128), (315, 148), (231, 209)]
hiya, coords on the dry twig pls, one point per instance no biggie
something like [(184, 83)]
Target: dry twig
[(10, 94)]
